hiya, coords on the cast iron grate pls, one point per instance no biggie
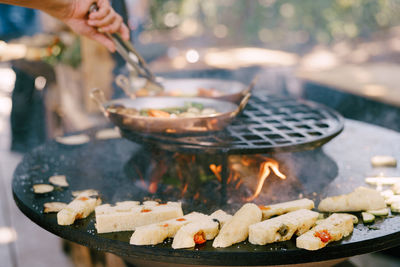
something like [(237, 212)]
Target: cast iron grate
[(269, 123)]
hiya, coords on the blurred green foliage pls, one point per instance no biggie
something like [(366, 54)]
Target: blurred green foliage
[(285, 24)]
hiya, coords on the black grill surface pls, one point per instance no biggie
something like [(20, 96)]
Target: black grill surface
[(100, 165), (269, 123)]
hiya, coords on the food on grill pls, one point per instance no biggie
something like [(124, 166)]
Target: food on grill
[(383, 161), (50, 207), (396, 188), (221, 216), (334, 228), (42, 188), (283, 227), (392, 199), (195, 233), (387, 194), (382, 180), (380, 212), (285, 207), (127, 215), (395, 207), (88, 192), (361, 199), (190, 110), (79, 208), (78, 139), (367, 217), (199, 232), (156, 233), (237, 229), (59, 180), (111, 133)]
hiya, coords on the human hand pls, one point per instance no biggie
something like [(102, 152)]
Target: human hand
[(104, 20)]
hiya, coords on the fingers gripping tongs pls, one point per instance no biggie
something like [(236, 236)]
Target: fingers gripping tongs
[(133, 58)]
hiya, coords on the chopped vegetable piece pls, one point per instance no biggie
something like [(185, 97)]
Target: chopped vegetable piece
[(324, 235), (367, 217), (199, 238), (158, 113), (59, 180), (380, 212), (53, 206), (145, 210), (83, 198), (42, 188), (283, 229), (181, 219)]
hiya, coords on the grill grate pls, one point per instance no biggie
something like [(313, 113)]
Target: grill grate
[(269, 123)]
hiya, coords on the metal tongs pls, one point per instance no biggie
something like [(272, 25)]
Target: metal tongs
[(133, 58)]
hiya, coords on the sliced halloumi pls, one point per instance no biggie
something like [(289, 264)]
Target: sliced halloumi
[(50, 207), (333, 228), (285, 207), (79, 208), (283, 227), (383, 161), (59, 180), (195, 233), (71, 140), (127, 215), (156, 233), (396, 188), (111, 133), (221, 216), (237, 229), (361, 199)]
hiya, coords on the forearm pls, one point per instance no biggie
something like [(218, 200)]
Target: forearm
[(56, 8)]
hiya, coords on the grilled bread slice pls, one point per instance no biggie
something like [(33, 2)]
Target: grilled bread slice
[(361, 199), (283, 227), (285, 207), (333, 228), (237, 229), (156, 233), (127, 215), (79, 208)]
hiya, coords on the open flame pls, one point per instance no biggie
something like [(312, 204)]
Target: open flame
[(264, 172), (179, 178)]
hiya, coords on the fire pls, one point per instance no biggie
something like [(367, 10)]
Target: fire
[(217, 171), (265, 170)]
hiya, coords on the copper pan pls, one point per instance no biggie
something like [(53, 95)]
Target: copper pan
[(226, 112), (228, 90)]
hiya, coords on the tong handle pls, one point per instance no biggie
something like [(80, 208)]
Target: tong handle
[(128, 52)]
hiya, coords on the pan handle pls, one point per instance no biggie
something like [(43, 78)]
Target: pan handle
[(242, 105), (123, 82), (98, 96), (250, 87)]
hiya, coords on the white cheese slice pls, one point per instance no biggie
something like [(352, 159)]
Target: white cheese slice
[(237, 229), (156, 233), (221, 216), (79, 208), (195, 233), (361, 199), (127, 215), (333, 228), (283, 227), (285, 207), (383, 161)]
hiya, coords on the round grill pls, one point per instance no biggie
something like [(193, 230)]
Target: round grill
[(269, 123)]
